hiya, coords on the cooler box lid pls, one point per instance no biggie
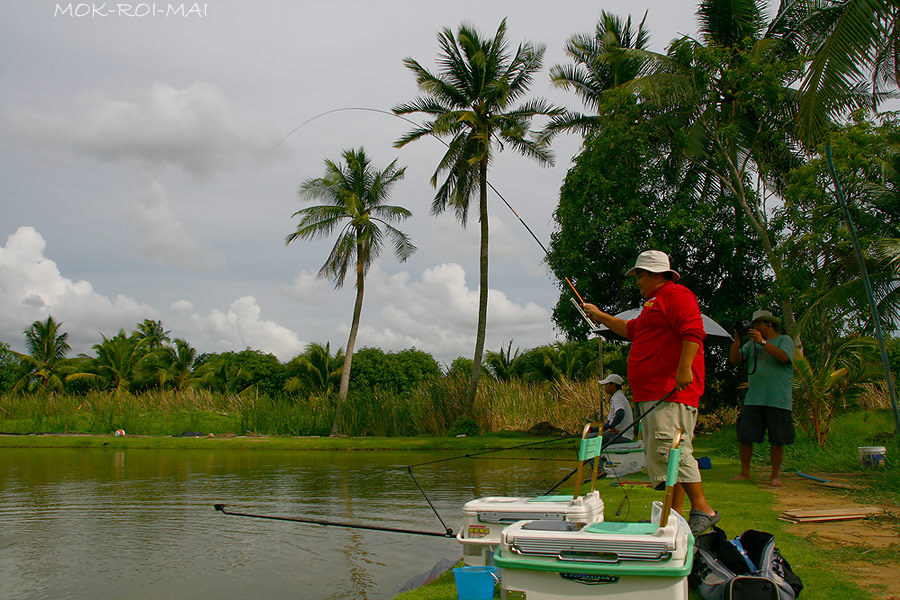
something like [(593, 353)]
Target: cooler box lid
[(506, 559), (505, 509)]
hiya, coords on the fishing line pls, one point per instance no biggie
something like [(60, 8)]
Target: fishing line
[(424, 495), (410, 121)]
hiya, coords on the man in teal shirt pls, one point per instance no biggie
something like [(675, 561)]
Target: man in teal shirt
[(767, 407)]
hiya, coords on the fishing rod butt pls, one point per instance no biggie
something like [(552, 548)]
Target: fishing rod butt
[(219, 507)]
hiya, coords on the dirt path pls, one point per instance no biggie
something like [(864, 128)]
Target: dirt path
[(865, 534)]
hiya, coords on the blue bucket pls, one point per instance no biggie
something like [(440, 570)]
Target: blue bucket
[(475, 583)]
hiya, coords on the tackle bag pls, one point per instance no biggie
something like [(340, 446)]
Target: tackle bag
[(748, 567)]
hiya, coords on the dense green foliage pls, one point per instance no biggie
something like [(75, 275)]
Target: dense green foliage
[(618, 200), (398, 372)]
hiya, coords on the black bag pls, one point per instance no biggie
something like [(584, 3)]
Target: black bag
[(746, 568)]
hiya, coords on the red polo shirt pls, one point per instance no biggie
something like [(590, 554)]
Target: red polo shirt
[(669, 318)]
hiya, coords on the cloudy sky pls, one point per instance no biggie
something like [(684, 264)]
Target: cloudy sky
[(148, 170)]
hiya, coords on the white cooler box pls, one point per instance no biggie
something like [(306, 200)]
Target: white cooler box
[(544, 560), (485, 518), (622, 459)]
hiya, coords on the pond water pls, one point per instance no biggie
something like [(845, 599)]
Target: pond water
[(140, 524)]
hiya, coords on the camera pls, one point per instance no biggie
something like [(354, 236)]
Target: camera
[(743, 327)]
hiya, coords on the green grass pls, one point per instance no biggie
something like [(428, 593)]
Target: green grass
[(840, 454), (421, 443)]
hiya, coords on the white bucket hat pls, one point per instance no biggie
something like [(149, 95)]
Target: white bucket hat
[(653, 261), (764, 315), (616, 379)]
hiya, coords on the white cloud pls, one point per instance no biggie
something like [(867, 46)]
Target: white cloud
[(309, 288), (182, 306), (31, 288), (193, 129), (240, 327), (436, 312), (439, 313), (164, 238)]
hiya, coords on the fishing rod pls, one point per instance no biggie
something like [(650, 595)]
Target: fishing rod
[(446, 534), (617, 437)]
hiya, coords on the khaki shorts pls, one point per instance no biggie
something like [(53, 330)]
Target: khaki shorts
[(661, 424)]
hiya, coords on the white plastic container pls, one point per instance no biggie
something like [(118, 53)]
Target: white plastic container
[(872, 456), (622, 459), (485, 518), (622, 561)]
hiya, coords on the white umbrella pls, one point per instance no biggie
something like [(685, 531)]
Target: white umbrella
[(715, 333)]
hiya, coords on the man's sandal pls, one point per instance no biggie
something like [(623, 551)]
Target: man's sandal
[(699, 521)]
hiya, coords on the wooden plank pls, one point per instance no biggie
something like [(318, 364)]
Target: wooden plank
[(824, 519), (835, 484), (834, 512)]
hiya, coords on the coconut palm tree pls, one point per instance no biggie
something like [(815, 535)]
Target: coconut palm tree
[(316, 370), (152, 333), (500, 363), (173, 364), (116, 363), (470, 100), (354, 194), (602, 62), (855, 50), (47, 348)]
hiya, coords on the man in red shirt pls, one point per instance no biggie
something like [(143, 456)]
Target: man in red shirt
[(666, 355)]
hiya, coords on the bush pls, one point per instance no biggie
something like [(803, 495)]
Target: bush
[(398, 372), (464, 426)]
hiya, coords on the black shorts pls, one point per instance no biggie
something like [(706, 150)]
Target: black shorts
[(755, 421)]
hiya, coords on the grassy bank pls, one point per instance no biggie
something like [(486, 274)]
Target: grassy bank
[(840, 453), (263, 443)]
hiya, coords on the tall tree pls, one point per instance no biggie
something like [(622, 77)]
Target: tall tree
[(354, 194), (724, 104), (855, 50), (172, 364), (47, 348), (618, 199), (470, 100), (602, 63), (152, 334)]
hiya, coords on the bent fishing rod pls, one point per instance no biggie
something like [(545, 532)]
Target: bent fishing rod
[(410, 121)]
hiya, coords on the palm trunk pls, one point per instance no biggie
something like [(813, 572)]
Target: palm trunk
[(351, 342), (482, 293), (735, 182)]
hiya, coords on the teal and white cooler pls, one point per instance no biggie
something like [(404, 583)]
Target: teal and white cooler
[(485, 518), (549, 560), (622, 459)]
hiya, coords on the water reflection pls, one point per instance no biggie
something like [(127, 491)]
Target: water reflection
[(140, 523)]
